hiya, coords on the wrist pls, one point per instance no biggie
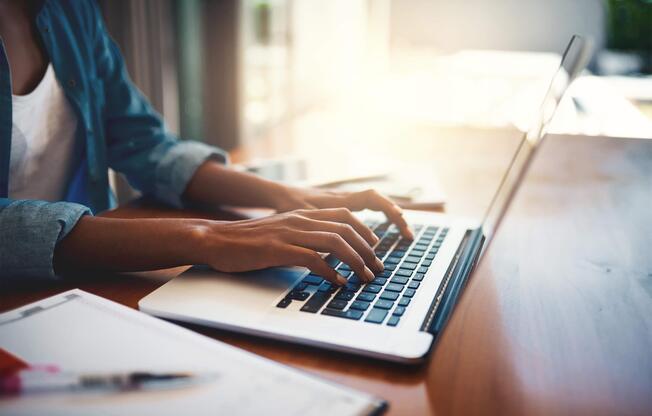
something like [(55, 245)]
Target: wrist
[(193, 235), (284, 198)]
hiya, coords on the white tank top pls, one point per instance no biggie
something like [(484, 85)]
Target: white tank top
[(42, 142)]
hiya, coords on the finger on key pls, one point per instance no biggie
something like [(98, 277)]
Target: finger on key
[(300, 256), (352, 238), (326, 242), (373, 200)]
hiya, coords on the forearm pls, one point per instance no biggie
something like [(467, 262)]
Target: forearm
[(97, 243), (214, 184)]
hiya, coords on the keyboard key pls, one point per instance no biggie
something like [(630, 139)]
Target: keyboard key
[(426, 263), (422, 270), (284, 303), (372, 288), (391, 260), (430, 256), (409, 293), (298, 295), (413, 285), (345, 273), (418, 277), (393, 287), (404, 301), (300, 287), (350, 314), (421, 246), (399, 280), (327, 287), (312, 279), (345, 295), (393, 320), (383, 304), (408, 266), (385, 273), (417, 253), (376, 316), (354, 279), (390, 267), (379, 281), (366, 297), (337, 304), (344, 268), (360, 305), (403, 272), (399, 311), (389, 295), (413, 259), (332, 260), (316, 302)]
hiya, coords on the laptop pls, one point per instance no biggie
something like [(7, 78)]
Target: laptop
[(399, 315)]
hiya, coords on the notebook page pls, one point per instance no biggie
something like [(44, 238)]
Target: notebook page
[(81, 332)]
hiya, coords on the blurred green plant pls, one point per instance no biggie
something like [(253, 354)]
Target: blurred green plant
[(629, 28), (262, 21)]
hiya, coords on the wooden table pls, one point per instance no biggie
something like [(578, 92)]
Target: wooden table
[(557, 319)]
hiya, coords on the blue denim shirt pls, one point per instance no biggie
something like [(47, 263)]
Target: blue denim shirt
[(117, 128)]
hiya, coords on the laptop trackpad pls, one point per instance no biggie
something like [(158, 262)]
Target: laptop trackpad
[(217, 296)]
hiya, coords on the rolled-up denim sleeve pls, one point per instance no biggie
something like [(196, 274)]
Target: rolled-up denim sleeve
[(177, 166), (30, 230)]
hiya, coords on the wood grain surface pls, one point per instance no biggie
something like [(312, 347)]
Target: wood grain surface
[(557, 319)]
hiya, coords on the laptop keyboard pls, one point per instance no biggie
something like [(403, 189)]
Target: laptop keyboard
[(385, 299)]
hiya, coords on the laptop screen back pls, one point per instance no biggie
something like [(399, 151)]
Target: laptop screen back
[(573, 62)]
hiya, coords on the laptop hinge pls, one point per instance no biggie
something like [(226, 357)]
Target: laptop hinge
[(454, 281)]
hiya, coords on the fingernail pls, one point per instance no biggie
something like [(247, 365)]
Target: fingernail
[(376, 239), (369, 274), (379, 265), (341, 279)]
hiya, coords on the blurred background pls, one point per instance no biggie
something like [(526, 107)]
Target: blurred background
[(298, 75)]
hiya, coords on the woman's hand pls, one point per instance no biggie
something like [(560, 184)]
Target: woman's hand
[(215, 185), (297, 198), (290, 239)]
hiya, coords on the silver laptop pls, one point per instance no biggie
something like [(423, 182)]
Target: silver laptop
[(397, 316)]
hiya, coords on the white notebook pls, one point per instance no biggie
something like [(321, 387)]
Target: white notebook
[(81, 332)]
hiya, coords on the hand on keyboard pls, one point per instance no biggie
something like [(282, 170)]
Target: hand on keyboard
[(290, 239), (355, 201), (386, 298)]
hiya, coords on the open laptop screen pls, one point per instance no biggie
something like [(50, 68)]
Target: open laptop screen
[(573, 62)]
